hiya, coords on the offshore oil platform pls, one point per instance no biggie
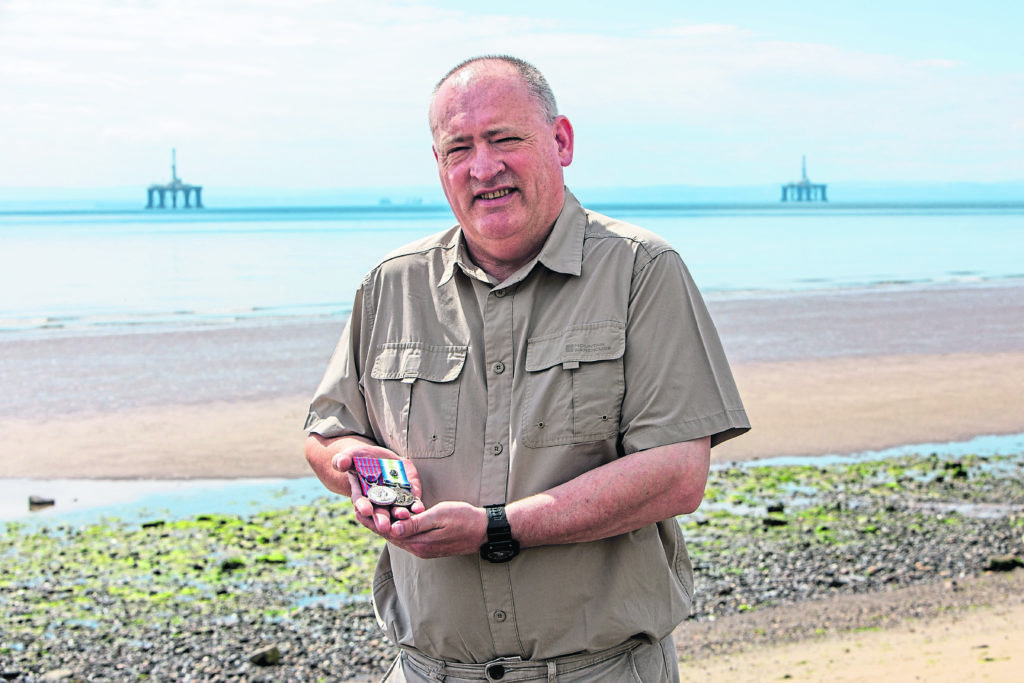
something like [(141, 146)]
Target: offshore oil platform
[(804, 190), (174, 187)]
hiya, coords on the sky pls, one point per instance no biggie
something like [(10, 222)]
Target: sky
[(332, 94)]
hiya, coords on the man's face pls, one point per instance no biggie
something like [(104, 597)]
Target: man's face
[(500, 163)]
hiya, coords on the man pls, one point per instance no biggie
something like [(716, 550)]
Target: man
[(553, 382)]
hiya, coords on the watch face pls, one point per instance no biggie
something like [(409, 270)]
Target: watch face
[(499, 551)]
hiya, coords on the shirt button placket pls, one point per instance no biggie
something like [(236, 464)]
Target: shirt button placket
[(498, 336)]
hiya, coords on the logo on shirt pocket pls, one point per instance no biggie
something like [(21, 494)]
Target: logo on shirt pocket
[(417, 397), (574, 385)]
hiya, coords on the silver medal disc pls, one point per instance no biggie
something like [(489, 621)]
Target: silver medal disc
[(381, 495), (404, 498)]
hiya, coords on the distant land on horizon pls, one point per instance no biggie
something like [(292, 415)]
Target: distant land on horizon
[(130, 198)]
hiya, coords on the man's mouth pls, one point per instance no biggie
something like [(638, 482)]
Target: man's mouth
[(496, 194)]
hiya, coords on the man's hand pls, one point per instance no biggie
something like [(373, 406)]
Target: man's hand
[(332, 461), (445, 530), (378, 518)]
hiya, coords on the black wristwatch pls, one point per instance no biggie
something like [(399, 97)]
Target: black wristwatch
[(500, 546)]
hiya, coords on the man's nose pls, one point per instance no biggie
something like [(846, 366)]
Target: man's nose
[(487, 164)]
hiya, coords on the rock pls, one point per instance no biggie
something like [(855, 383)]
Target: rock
[(36, 502), (58, 675), (231, 563), (776, 507), (267, 656), (273, 558), (1003, 563), (957, 469)]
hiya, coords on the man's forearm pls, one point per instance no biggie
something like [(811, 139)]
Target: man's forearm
[(320, 452), (624, 495)]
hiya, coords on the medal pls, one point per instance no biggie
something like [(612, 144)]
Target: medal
[(404, 498), (381, 495), (384, 482)]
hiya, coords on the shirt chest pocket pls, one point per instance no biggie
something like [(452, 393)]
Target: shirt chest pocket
[(415, 397), (574, 385)]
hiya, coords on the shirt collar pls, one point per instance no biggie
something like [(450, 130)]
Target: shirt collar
[(562, 251), (455, 256)]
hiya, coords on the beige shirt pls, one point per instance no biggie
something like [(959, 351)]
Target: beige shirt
[(599, 348)]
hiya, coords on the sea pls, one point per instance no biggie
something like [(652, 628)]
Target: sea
[(80, 271), (67, 273)]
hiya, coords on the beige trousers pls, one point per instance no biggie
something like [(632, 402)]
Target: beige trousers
[(632, 662)]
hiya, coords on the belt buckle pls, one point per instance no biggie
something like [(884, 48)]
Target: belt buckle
[(495, 670)]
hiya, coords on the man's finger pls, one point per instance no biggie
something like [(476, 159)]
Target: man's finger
[(342, 462)]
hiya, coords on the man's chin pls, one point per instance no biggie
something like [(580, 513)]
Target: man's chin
[(496, 227)]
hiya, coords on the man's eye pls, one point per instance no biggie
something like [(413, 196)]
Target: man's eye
[(454, 152), (508, 139)]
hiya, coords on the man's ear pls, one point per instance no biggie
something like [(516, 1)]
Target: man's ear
[(563, 139)]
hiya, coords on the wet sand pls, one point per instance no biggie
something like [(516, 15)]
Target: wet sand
[(840, 405), (819, 374)]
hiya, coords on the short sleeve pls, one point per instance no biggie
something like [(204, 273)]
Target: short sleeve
[(338, 407), (678, 383)]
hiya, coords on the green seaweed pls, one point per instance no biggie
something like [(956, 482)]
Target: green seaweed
[(94, 577)]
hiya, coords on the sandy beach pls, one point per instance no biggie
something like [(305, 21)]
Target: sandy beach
[(819, 374)]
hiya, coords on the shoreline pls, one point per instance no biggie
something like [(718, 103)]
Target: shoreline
[(85, 501)]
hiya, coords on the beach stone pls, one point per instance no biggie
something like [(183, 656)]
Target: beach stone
[(231, 563), (1003, 563), (956, 469), (58, 675), (267, 656)]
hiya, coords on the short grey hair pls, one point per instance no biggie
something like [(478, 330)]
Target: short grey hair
[(531, 75)]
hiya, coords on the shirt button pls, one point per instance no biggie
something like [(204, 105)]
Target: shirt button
[(501, 293), (497, 448), (499, 615), (499, 368)]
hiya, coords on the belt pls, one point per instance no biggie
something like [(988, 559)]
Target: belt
[(515, 668)]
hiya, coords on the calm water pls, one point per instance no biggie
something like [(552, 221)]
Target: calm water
[(80, 502), (94, 270)]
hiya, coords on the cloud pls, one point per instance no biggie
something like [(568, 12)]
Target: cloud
[(939, 63), (323, 92), (702, 30)]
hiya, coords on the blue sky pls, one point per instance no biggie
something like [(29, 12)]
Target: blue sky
[(329, 94)]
